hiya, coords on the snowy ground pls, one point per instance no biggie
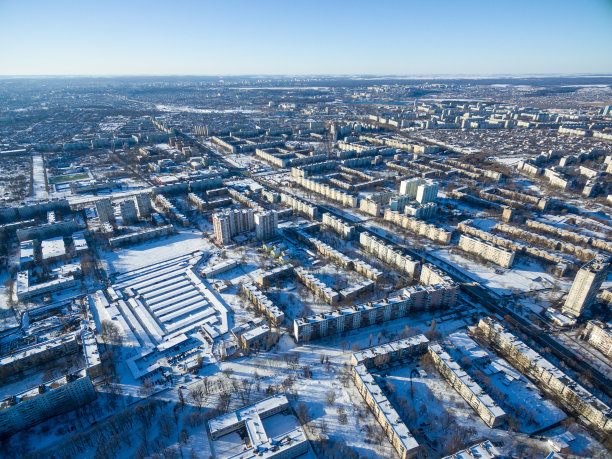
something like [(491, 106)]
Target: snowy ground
[(139, 255), (436, 412), (592, 355), (525, 275), (38, 173)]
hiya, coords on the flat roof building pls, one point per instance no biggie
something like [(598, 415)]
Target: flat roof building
[(586, 284), (128, 211), (288, 442)]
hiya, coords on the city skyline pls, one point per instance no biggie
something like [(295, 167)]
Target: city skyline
[(271, 38), (301, 230)]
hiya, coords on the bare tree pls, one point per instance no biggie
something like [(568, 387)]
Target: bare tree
[(197, 395), (331, 397)]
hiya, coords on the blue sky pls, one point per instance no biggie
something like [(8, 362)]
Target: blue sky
[(189, 37)]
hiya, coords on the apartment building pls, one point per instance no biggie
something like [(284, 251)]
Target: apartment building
[(418, 227), (490, 252), (230, 223), (586, 284), (263, 303), (143, 203), (397, 432), (575, 397), (47, 400), (414, 298), (266, 225), (222, 229), (300, 206), (317, 286), (427, 192), (388, 254), (599, 335), (128, 211), (140, 236), (471, 392), (343, 229), (105, 211), (409, 187)]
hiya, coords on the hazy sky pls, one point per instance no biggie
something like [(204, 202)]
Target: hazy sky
[(91, 37)]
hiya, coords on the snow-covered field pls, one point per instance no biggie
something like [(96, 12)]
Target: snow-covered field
[(524, 276), (38, 174), (139, 255)]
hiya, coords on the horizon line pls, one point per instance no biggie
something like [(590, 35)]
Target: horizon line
[(311, 75)]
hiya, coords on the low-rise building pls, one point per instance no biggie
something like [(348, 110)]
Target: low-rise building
[(267, 276), (287, 443), (483, 450)]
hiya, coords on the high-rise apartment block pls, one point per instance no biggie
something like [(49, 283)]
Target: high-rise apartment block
[(427, 192), (143, 201), (233, 222), (409, 187), (266, 225), (241, 221), (221, 226), (128, 211), (105, 211), (586, 284)]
